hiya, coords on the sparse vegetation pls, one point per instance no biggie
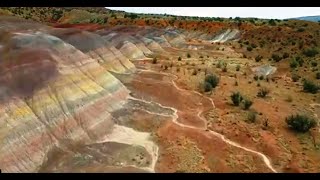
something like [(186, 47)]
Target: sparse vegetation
[(295, 77), (258, 58), (207, 87), (194, 72), (312, 52), (188, 55), (314, 64), (249, 48), (276, 57), (300, 123), (212, 79), (246, 103), (238, 67), (179, 58), (252, 116), (263, 92), (261, 77), (165, 67), (224, 69), (256, 77), (318, 75), (293, 64), (236, 98), (310, 87), (154, 61)]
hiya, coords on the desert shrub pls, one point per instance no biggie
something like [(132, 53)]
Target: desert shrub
[(220, 63), (238, 67), (249, 48), (261, 77), (299, 60), (314, 64), (295, 77), (263, 92), (310, 87), (285, 55), (179, 58), (301, 30), (294, 64), (258, 58), (224, 69), (276, 57), (300, 123), (318, 75), (252, 116), (236, 98), (201, 57), (212, 79), (272, 22), (207, 87), (246, 103), (253, 45), (258, 84), (310, 52), (256, 77), (236, 83), (165, 67), (188, 55), (178, 69), (154, 61), (194, 72)]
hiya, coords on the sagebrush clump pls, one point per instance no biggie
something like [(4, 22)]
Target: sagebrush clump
[(300, 123), (236, 98)]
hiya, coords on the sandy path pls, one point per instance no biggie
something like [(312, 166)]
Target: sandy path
[(222, 137)]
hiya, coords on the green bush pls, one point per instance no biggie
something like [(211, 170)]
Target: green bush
[(300, 61), (207, 87), (263, 92), (236, 98), (261, 77), (212, 79), (252, 116), (276, 57), (300, 123), (249, 48), (310, 87), (246, 104), (293, 64), (310, 52)]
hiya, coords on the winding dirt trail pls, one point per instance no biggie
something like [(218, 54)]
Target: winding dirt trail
[(222, 137)]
